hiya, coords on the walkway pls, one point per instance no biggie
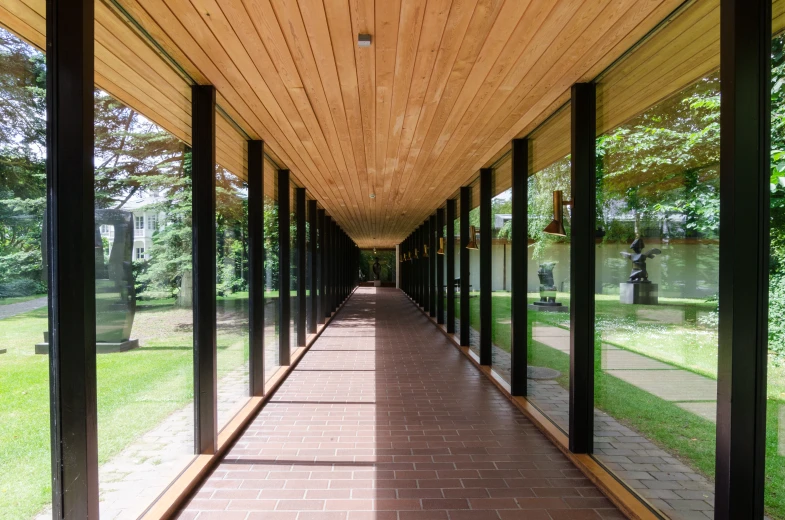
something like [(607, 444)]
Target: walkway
[(384, 419), (12, 309)]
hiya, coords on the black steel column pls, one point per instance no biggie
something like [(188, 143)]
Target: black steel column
[(745, 49), (486, 267), (466, 201), (432, 290), (302, 304), (439, 267), (328, 255), (204, 250), (70, 236), (583, 179), (322, 223), (426, 265), (256, 267), (450, 274), (313, 255), (520, 266), (284, 268)]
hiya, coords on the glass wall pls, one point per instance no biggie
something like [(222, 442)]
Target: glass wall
[(548, 277), (474, 269), (231, 194), (501, 269), (272, 322), (658, 263), (309, 256), (144, 307), (294, 272), (441, 245), (774, 499), (25, 459)]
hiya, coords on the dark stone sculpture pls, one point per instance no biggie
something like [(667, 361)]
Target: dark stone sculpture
[(115, 297), (377, 269), (639, 273), (639, 290), (547, 290)]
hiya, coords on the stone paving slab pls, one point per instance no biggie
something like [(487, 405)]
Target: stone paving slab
[(411, 431), (671, 385)]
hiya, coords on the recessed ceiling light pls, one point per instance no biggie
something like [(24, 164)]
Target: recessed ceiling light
[(363, 40)]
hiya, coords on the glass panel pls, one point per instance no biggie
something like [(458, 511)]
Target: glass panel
[(231, 195), (548, 277), (443, 280), (474, 271), (25, 487), (144, 311), (271, 271), (658, 266), (294, 272), (501, 310), (774, 498)]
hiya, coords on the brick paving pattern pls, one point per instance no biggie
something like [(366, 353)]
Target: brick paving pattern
[(678, 491), (383, 419)]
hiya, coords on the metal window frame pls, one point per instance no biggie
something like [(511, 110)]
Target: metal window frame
[(439, 267), (256, 270), (519, 333), (300, 260), (204, 269), (450, 274), (313, 254), (486, 267), (745, 53), (70, 199)]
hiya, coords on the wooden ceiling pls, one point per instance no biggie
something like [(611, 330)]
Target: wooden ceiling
[(440, 92)]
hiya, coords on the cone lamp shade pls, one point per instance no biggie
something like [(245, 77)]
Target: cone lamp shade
[(472, 238), (556, 227), (441, 246)]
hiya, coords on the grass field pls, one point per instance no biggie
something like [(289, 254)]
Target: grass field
[(136, 390)]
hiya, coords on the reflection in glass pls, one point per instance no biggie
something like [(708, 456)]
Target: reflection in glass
[(271, 272), (25, 487), (548, 290), (656, 314), (232, 294), (774, 498), (474, 275), (144, 314), (501, 309)]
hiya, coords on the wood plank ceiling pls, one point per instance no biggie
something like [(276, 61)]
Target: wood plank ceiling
[(440, 92)]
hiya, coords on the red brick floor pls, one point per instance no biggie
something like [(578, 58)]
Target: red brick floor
[(384, 419)]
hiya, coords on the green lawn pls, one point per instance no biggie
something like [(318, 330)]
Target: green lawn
[(675, 332), (136, 391)]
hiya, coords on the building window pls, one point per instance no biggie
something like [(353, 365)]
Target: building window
[(152, 222), (140, 253), (139, 226)]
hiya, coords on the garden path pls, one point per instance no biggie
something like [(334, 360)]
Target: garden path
[(12, 309)]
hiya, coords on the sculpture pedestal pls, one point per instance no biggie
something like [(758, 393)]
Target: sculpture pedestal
[(642, 293), (377, 283), (100, 348), (548, 307), (3, 350)]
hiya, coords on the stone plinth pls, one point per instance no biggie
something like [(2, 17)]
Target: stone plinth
[(640, 293)]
